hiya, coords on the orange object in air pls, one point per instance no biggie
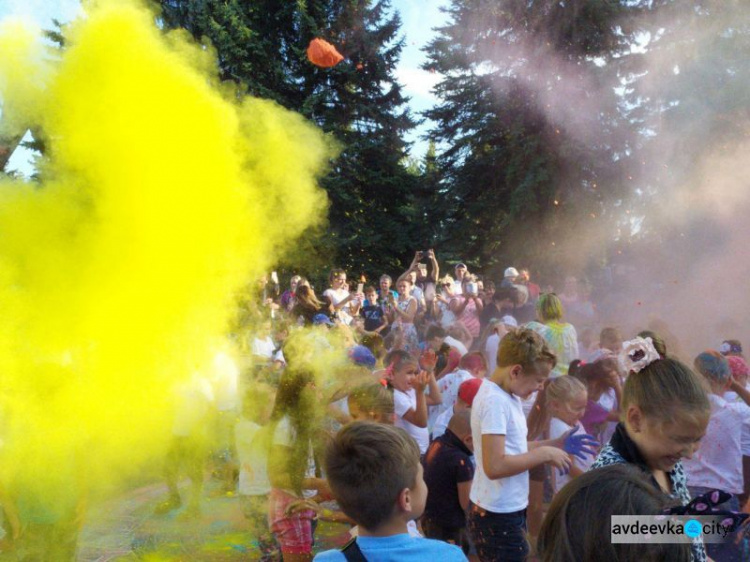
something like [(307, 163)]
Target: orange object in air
[(321, 53)]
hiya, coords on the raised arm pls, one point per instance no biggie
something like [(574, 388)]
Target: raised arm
[(418, 417), (435, 266)]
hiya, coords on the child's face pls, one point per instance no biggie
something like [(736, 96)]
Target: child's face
[(404, 288), (385, 284), (524, 385), (664, 444), (436, 343), (372, 296), (404, 376), (613, 343), (572, 410)]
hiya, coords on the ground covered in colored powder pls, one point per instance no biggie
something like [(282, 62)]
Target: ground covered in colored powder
[(126, 529)]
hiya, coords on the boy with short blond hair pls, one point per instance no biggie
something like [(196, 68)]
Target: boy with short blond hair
[(500, 489), (375, 475)]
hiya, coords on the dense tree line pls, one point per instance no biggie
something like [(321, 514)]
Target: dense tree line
[(560, 125)]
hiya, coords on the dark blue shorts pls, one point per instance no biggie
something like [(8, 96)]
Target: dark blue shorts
[(498, 536)]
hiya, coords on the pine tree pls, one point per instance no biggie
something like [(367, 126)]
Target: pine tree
[(262, 45), (534, 145)]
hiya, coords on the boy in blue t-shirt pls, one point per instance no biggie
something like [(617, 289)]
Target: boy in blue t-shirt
[(373, 312), (375, 475)]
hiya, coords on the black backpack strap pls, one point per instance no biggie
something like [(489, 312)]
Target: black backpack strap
[(352, 552)]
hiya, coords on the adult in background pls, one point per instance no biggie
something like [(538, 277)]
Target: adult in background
[(509, 277), (559, 335), (524, 278), (403, 311), (460, 272), (424, 277), (385, 288), (443, 299), (524, 310), (468, 307), (502, 304), (345, 304), (287, 297)]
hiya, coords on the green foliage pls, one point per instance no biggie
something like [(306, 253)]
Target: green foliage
[(262, 45), (535, 143)]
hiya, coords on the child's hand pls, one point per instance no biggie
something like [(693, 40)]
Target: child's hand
[(428, 360), (301, 505), (421, 381), (558, 458), (581, 445)]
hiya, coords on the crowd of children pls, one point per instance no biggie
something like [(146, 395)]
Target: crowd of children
[(445, 421), (501, 434), (454, 434)]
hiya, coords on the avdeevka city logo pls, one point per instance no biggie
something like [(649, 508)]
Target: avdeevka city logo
[(693, 529)]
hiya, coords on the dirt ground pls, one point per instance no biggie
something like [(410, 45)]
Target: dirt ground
[(126, 529)]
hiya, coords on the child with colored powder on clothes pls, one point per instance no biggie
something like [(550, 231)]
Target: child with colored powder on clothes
[(470, 366), (560, 336), (466, 393), (558, 410), (740, 372), (717, 465), (604, 387), (294, 425), (251, 441), (371, 401), (409, 399), (500, 489), (665, 412)]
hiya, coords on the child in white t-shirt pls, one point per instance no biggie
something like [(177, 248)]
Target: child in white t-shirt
[(558, 410), (472, 365), (252, 441), (500, 490), (718, 462), (409, 400)]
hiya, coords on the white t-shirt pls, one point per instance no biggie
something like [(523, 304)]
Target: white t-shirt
[(225, 381), (336, 297), (458, 287), (263, 347), (460, 347), (718, 462), (253, 459), (557, 428), (495, 412), (194, 399), (447, 318), (448, 386), (402, 403), (441, 423), (731, 396), (490, 351), (608, 401), (528, 403)]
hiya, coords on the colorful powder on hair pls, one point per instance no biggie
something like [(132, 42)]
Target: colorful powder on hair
[(163, 195)]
